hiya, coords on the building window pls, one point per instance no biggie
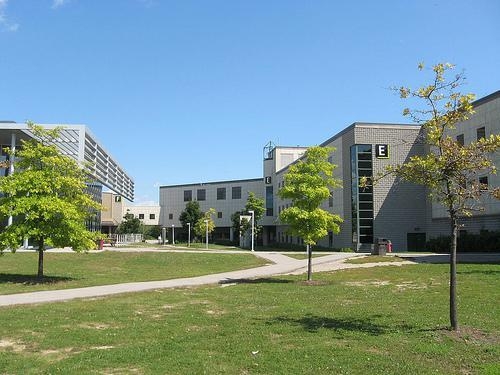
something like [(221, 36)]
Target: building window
[(188, 195), (460, 139), (221, 194), (170, 216), (219, 215), (141, 216), (269, 201), (118, 198), (481, 133), (330, 199), (201, 194), (236, 192), (361, 197), (152, 216), (483, 183)]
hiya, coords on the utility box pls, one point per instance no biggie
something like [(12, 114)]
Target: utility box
[(382, 246)]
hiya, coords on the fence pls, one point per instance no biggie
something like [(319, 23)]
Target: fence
[(127, 238)]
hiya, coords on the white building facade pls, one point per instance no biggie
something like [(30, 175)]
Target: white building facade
[(77, 142)]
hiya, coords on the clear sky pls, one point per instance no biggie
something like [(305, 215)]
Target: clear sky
[(185, 91)]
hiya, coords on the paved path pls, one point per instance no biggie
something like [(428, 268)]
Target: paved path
[(282, 265)]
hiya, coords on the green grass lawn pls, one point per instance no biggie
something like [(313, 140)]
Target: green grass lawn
[(74, 270), (374, 259), (183, 245), (382, 320), (304, 255)]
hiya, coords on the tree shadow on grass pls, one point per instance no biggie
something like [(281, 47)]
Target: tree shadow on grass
[(262, 280), (313, 323), (31, 279)]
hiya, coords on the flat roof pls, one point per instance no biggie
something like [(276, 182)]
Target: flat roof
[(213, 183), (369, 124), (487, 98)]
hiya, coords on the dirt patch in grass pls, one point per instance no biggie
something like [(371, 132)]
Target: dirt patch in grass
[(410, 285), (123, 371), (472, 335), (313, 283), (12, 345), (105, 347), (96, 326), (367, 283), (215, 312)]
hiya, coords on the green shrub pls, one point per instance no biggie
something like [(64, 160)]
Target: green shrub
[(485, 241)]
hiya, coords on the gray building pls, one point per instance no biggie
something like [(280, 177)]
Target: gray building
[(226, 197), (393, 209), (75, 141)]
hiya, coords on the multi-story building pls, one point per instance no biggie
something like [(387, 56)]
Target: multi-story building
[(226, 197), (484, 122), (115, 209), (75, 141), (393, 209)]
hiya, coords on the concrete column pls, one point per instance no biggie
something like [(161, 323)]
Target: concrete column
[(231, 234), (11, 164)]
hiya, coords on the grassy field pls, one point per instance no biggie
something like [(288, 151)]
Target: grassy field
[(382, 320), (374, 259), (74, 270)]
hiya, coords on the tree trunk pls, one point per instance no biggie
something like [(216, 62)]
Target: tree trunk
[(309, 263), (453, 274), (40, 258)]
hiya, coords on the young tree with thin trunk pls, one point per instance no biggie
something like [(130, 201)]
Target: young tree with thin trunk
[(46, 197), (255, 204), (205, 225), (308, 183), (451, 170)]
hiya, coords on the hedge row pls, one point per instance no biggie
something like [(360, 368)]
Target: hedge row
[(486, 241)]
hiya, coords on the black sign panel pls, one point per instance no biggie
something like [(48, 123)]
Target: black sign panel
[(382, 151)]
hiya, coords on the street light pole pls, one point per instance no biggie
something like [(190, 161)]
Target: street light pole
[(189, 234), (206, 233), (173, 234), (253, 224)]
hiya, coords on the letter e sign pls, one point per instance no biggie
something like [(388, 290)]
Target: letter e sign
[(382, 151)]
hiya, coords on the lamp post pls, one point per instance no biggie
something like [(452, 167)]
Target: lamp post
[(189, 234), (206, 232), (173, 234), (251, 212)]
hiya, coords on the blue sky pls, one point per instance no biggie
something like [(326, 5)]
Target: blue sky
[(190, 91)]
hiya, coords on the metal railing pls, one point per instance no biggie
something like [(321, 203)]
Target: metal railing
[(127, 238)]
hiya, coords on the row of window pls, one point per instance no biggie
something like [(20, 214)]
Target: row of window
[(201, 194), (151, 216), (171, 216), (480, 134)]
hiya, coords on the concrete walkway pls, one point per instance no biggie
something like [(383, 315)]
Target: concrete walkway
[(282, 264)]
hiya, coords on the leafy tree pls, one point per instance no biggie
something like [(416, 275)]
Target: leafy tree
[(191, 214), (308, 183), (152, 231), (46, 197), (254, 204), (451, 172), (200, 227), (130, 224)]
